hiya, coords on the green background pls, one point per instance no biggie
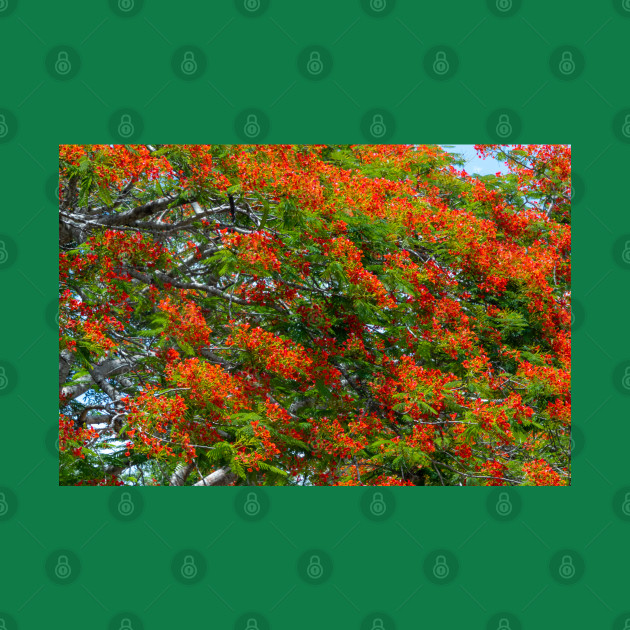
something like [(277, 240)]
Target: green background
[(376, 59)]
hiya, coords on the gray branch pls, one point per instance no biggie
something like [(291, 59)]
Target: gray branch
[(221, 477), (107, 369), (178, 478)]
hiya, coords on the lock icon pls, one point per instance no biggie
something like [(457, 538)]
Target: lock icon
[(504, 127), (4, 128), (125, 128), (378, 128), (252, 128), (567, 65), (625, 507), (626, 253), (125, 624), (625, 130), (440, 568), (378, 507), (504, 5), (378, 624), (189, 65), (125, 5), (504, 505), (440, 65), (4, 381), (378, 5), (626, 379), (63, 65), (504, 624), (4, 254), (4, 506), (189, 568), (252, 505), (252, 5), (315, 65), (252, 624), (314, 570), (62, 569), (125, 505), (567, 568)]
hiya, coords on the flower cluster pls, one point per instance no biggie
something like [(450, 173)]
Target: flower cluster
[(156, 425), (256, 251), (539, 473), (114, 165), (330, 438), (349, 255), (208, 386), (270, 352), (496, 470), (186, 323), (105, 481), (75, 439)]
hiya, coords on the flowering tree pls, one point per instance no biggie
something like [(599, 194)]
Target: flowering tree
[(319, 315)]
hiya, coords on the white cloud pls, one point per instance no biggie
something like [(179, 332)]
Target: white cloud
[(475, 164)]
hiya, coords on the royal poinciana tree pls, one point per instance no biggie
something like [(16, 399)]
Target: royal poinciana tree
[(313, 315)]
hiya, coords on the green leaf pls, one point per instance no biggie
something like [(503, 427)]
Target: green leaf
[(105, 195), (426, 407), (291, 216), (453, 384), (322, 389), (247, 417), (263, 219), (238, 469)]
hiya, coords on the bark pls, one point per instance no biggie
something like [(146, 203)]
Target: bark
[(107, 369), (65, 363), (221, 477), (178, 478)]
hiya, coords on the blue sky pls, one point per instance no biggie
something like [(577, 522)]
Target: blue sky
[(474, 164)]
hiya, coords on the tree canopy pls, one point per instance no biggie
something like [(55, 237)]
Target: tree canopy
[(313, 315)]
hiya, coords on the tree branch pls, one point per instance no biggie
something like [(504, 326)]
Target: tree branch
[(221, 477)]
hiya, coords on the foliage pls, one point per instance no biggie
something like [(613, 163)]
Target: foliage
[(360, 315)]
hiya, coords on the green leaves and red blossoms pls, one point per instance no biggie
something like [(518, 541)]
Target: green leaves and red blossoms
[(368, 315)]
